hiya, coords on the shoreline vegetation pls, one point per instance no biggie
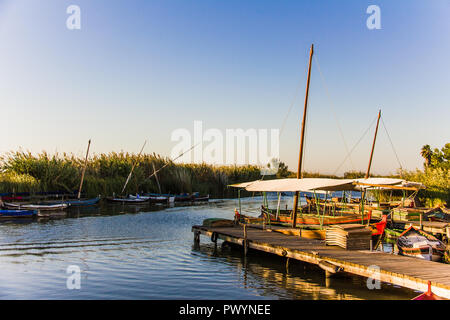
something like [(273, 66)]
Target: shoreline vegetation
[(106, 174)]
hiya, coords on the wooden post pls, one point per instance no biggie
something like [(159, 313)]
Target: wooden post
[(278, 206), (363, 196), (420, 222), (373, 145), (84, 170), (245, 240), (302, 138), (196, 237)]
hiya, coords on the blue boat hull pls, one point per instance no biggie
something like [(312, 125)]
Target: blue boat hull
[(79, 203), (17, 213)]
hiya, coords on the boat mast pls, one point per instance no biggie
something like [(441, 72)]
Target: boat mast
[(363, 193), (373, 146), (300, 157), (132, 168), (84, 170)]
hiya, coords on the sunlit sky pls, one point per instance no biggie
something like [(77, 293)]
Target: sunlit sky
[(138, 70)]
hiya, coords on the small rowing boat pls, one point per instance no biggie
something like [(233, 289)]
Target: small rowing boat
[(78, 202), (17, 213), (128, 200), (392, 233), (419, 244), (41, 207), (155, 198)]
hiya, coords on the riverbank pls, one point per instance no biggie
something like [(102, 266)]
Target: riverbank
[(107, 173)]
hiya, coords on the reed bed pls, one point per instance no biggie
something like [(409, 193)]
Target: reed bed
[(106, 174)]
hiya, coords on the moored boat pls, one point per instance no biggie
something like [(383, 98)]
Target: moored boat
[(18, 213), (419, 244), (41, 207), (200, 198), (78, 202), (392, 233), (307, 218), (155, 198), (128, 200)]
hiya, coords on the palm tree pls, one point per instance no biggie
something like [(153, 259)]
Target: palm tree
[(426, 153)]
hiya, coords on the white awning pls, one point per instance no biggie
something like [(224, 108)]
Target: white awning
[(387, 183), (292, 184), (323, 184)]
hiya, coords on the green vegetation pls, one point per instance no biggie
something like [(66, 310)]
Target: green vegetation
[(106, 174), (436, 159)]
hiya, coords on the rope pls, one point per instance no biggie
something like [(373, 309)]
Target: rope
[(297, 90), (332, 111), (392, 145), (364, 134)]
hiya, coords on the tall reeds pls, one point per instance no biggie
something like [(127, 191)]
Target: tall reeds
[(107, 173)]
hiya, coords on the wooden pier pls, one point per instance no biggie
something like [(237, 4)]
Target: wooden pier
[(398, 270)]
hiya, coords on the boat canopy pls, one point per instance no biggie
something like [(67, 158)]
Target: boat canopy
[(324, 184), (292, 184), (388, 183)]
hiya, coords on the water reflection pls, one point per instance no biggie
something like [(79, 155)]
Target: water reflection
[(148, 252)]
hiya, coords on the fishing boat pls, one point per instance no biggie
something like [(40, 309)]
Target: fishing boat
[(378, 230), (78, 202), (392, 233), (154, 198), (198, 198), (439, 214), (419, 244), (310, 217), (128, 200), (429, 295), (18, 213), (40, 207)]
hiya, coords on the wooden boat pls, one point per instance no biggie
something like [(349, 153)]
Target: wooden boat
[(18, 213), (128, 200), (152, 198), (438, 214), (40, 207), (378, 230), (428, 295), (157, 198), (392, 233), (199, 198), (79, 202), (419, 244), (313, 218)]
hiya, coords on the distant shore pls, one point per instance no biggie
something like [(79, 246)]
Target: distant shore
[(107, 173)]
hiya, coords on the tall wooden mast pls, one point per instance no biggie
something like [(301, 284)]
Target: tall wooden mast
[(84, 170), (373, 146), (302, 136)]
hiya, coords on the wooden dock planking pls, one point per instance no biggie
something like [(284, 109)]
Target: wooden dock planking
[(403, 271)]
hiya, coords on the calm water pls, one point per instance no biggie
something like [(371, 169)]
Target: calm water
[(144, 252)]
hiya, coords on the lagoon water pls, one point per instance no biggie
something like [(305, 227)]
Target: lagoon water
[(147, 252)]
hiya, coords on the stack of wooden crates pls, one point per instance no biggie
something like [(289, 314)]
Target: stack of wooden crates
[(349, 236)]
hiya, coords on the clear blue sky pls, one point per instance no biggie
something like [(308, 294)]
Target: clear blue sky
[(140, 69)]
